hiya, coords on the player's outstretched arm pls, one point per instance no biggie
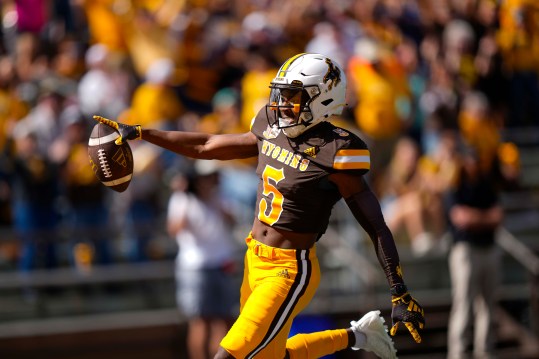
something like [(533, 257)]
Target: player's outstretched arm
[(366, 209), (191, 144)]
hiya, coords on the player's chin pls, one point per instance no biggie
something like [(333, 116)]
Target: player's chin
[(286, 121), (294, 131)]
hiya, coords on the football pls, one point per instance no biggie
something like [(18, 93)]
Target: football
[(112, 163)]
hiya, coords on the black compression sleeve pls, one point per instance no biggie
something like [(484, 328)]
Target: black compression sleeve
[(366, 209)]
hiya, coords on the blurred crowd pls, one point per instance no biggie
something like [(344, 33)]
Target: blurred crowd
[(424, 77)]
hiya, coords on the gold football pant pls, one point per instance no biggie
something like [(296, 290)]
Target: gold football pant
[(277, 285)]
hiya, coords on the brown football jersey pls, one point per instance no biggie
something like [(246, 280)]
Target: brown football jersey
[(294, 192)]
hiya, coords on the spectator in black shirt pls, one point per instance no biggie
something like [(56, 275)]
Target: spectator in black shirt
[(474, 261)]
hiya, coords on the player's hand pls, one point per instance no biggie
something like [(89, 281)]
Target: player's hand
[(127, 132), (408, 311)]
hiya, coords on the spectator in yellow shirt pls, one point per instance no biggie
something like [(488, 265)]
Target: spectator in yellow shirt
[(381, 92), (155, 102)]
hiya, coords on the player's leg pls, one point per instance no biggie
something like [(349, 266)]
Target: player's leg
[(319, 344), (369, 333), (283, 281)]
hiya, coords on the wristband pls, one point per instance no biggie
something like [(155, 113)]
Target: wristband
[(398, 289)]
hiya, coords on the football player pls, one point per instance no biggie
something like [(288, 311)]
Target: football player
[(305, 165)]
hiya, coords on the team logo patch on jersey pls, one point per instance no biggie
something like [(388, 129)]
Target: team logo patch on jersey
[(341, 132), (271, 132), (311, 151)]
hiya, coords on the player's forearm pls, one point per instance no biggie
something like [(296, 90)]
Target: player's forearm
[(190, 144), (202, 145), (388, 256)]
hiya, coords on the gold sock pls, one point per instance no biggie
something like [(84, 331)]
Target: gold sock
[(318, 344)]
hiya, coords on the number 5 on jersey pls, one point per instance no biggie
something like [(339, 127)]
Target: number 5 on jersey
[(276, 203)]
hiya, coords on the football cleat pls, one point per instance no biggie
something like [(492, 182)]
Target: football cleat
[(378, 340)]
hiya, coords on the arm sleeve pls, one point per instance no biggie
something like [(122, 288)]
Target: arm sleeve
[(366, 209)]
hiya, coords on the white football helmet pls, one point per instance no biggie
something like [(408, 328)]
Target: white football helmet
[(308, 89)]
